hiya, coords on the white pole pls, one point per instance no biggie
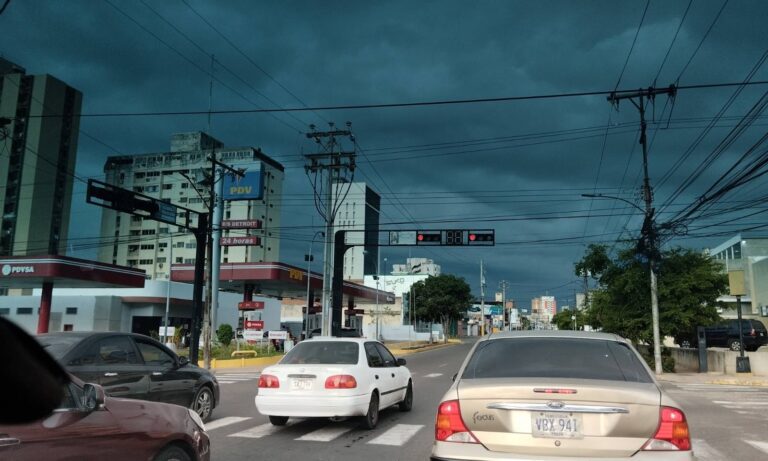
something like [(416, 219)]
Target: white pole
[(218, 212), (168, 288)]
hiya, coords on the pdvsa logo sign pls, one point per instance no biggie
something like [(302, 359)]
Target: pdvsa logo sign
[(10, 270)]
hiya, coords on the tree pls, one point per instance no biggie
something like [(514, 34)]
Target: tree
[(564, 319), (441, 299), (225, 334), (688, 286)]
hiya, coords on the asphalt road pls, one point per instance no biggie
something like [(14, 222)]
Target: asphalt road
[(239, 432), (727, 422)]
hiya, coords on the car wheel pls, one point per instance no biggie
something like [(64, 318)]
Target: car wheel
[(203, 403), (371, 418), (278, 420), (734, 345), (173, 453), (407, 402)]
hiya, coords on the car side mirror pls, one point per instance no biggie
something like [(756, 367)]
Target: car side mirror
[(400, 362), (183, 361), (93, 397)]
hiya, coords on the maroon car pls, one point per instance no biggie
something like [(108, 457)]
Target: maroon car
[(90, 426)]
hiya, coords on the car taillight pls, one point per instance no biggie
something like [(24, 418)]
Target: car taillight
[(340, 382), (672, 433), (269, 382), (449, 426)]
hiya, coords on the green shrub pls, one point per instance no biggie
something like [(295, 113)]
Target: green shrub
[(225, 334), (667, 361)]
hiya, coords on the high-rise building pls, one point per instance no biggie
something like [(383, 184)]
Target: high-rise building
[(543, 308), (358, 210), (175, 176), (39, 124)]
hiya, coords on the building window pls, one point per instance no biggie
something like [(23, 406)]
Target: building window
[(135, 232), (184, 185), (163, 244), (148, 232), (737, 251), (71, 311), (148, 247), (167, 186), (5, 311), (163, 230), (145, 262), (160, 260), (179, 244), (191, 245), (189, 261), (179, 260), (23, 311), (68, 327)]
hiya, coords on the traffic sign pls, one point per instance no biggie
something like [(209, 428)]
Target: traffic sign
[(254, 324), (253, 335), (250, 305)]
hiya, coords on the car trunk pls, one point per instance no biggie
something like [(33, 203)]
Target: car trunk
[(597, 419), (301, 380)]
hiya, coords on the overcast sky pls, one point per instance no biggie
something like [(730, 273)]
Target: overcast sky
[(518, 167)]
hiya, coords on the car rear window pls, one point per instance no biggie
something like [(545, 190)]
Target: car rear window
[(323, 352), (59, 346), (556, 358)]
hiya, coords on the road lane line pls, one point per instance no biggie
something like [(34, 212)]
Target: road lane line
[(705, 452), (228, 382), (740, 403), (397, 435), (762, 446), (225, 422), (262, 430), (326, 434), (433, 375)]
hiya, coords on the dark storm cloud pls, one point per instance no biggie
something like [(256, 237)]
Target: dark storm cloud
[(336, 53)]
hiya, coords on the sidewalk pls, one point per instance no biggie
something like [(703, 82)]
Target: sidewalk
[(746, 379)]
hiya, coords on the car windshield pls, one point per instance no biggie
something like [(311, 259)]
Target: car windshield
[(58, 346), (323, 352), (555, 358)]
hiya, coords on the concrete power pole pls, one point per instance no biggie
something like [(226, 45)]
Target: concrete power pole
[(649, 228), (504, 285), (333, 161), (482, 299)]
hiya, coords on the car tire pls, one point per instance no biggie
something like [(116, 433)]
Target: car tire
[(734, 345), (173, 453), (202, 404), (371, 418), (407, 402), (278, 420)]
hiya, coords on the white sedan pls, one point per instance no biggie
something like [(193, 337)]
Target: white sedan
[(334, 377)]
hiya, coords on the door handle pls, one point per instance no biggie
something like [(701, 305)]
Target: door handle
[(110, 373), (377, 376), (157, 373), (8, 441), (393, 375)]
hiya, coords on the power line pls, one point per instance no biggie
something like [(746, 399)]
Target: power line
[(671, 45), (703, 39), (634, 40)]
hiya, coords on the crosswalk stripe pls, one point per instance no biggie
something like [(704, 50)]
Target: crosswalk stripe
[(740, 403), (235, 378), (705, 452), (227, 382), (235, 375), (326, 434), (762, 446), (225, 422), (262, 430), (433, 375), (397, 435)]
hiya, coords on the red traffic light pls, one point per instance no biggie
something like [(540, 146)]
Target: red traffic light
[(429, 238), (472, 237), (486, 237), (420, 237)]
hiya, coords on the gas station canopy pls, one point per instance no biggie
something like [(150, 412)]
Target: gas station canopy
[(66, 272), (278, 280)]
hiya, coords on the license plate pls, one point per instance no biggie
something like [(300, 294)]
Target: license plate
[(301, 384), (556, 425)]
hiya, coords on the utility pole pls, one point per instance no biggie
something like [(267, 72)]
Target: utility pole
[(213, 256), (649, 231), (334, 161), (482, 300), (504, 285)]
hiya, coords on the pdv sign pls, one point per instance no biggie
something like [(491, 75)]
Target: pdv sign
[(249, 187)]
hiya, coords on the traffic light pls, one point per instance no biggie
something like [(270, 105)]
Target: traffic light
[(454, 237), (428, 238), (482, 237)]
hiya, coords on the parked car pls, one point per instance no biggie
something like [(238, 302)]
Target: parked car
[(334, 377), (343, 333), (91, 426), (558, 395), (726, 334), (134, 366)]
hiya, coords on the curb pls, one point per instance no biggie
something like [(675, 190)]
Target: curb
[(404, 352)]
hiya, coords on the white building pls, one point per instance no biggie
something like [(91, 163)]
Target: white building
[(417, 266), (358, 210), (146, 244)]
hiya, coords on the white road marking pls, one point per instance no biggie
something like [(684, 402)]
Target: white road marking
[(262, 430), (762, 446), (326, 434), (225, 422), (398, 435), (443, 365), (704, 452), (433, 375), (227, 382), (740, 403)]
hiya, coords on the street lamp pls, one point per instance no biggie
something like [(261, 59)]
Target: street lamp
[(308, 257), (651, 249)]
